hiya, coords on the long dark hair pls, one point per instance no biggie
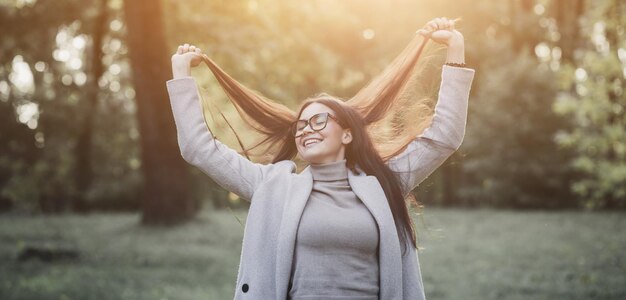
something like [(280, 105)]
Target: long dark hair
[(361, 152), (385, 116)]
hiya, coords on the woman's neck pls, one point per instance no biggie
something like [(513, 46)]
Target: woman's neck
[(331, 171)]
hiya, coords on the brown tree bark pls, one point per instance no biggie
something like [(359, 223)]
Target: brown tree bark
[(567, 14), (83, 174), (165, 195)]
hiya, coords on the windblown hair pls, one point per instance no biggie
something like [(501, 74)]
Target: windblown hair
[(384, 116), (361, 152)]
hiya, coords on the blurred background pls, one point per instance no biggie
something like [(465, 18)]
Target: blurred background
[(97, 203)]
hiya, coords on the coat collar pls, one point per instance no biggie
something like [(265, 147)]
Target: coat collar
[(368, 189)]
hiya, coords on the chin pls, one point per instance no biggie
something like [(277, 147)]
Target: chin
[(312, 156)]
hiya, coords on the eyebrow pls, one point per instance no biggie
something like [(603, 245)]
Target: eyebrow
[(314, 115)]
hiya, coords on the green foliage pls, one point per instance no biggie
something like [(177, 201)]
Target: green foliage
[(41, 156), (593, 97), (509, 156), (520, 102)]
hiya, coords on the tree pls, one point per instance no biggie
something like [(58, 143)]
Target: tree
[(593, 97), (165, 194), (509, 156), (84, 167)]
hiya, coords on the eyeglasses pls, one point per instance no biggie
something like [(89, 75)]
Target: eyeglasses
[(317, 122)]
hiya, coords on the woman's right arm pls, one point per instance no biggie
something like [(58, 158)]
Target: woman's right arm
[(197, 146)]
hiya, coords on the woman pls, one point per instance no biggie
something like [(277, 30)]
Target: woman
[(340, 228)]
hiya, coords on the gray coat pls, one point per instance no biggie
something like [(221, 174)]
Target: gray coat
[(278, 194)]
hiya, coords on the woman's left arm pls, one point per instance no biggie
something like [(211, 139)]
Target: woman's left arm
[(444, 136)]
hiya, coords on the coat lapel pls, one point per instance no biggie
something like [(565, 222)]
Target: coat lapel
[(368, 189), (300, 189)]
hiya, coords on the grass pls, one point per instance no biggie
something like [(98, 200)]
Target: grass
[(467, 254)]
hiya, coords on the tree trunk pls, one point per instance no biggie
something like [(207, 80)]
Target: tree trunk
[(83, 174), (567, 14), (165, 196), (450, 181)]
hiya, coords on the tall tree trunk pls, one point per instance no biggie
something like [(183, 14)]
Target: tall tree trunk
[(84, 171), (567, 14), (518, 12), (165, 195)]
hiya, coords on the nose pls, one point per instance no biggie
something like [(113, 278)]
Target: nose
[(306, 129)]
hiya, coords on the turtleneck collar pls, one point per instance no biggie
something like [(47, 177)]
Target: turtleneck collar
[(330, 171)]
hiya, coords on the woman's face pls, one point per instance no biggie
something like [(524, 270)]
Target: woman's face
[(323, 146)]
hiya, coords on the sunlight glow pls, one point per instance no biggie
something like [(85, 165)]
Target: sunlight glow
[(129, 93), (76, 63), (21, 76), (368, 34), (581, 74), (114, 86), (70, 50), (115, 45), (80, 78), (253, 6), (28, 113), (39, 139), (115, 25), (4, 91), (599, 39), (66, 79), (542, 51), (79, 41), (23, 3), (40, 66), (581, 90), (61, 55), (115, 69), (621, 53)]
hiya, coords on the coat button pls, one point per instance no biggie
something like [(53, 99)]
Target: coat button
[(244, 287)]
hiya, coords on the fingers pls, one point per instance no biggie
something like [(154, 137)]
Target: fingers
[(435, 24), (432, 26), (188, 48), (442, 23), (423, 32)]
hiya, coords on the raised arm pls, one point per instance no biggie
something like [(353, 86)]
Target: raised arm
[(430, 149), (225, 166), (445, 135)]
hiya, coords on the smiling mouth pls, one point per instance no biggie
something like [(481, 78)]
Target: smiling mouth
[(312, 142)]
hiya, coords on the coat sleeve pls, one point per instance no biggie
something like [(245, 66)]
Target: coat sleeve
[(197, 146), (444, 136)]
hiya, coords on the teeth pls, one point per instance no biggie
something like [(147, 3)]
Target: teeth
[(311, 141)]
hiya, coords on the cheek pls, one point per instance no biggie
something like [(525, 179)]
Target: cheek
[(333, 141), (334, 136)]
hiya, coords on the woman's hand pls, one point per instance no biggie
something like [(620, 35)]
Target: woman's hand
[(186, 57), (441, 30)]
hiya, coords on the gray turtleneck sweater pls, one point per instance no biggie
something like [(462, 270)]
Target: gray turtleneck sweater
[(336, 252)]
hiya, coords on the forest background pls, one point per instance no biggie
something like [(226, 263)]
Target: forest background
[(86, 128)]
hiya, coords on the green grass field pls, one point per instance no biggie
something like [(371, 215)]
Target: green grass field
[(467, 254)]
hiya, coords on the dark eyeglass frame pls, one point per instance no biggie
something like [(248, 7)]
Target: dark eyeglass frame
[(295, 130)]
